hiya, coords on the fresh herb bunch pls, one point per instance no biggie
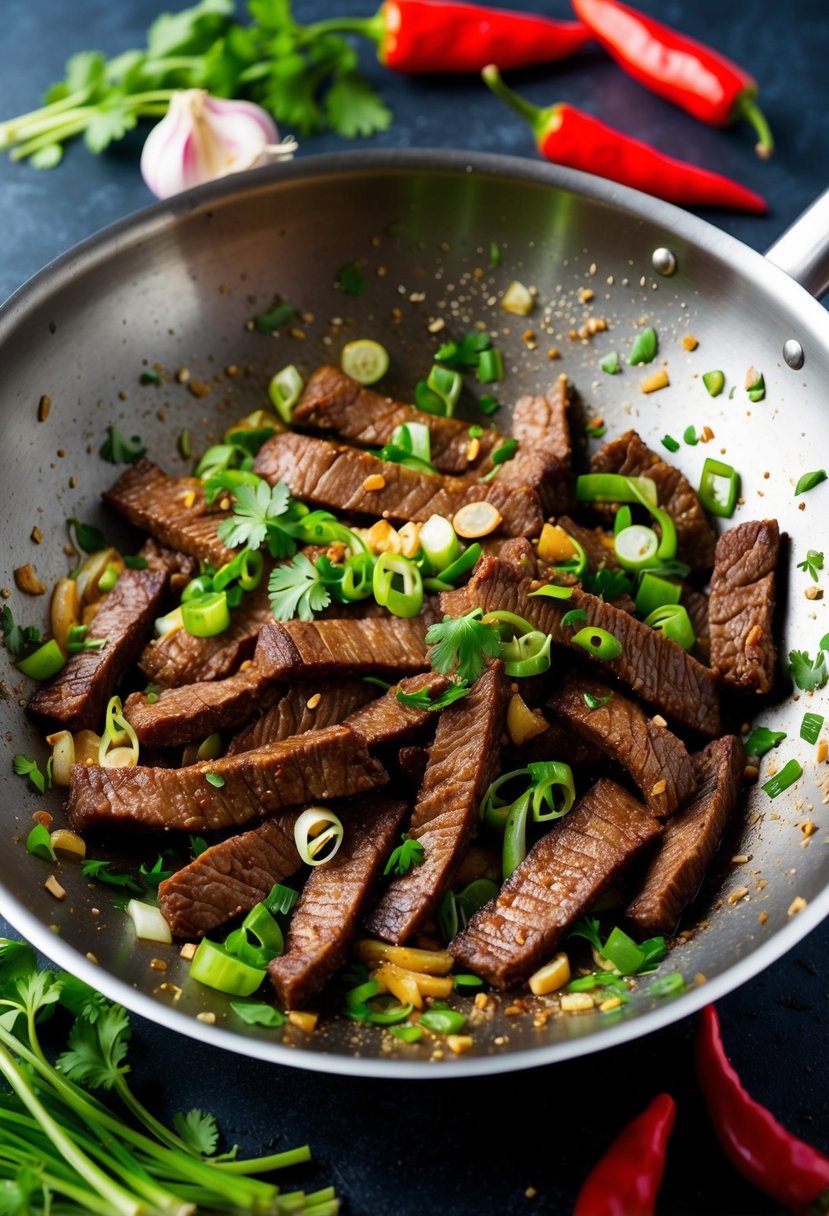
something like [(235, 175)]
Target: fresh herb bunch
[(62, 1148), (307, 78)]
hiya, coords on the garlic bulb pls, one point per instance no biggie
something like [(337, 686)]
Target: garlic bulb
[(202, 137)]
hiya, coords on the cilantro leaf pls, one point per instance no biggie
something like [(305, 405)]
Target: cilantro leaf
[(118, 449), (256, 509), (463, 643), (422, 699), (198, 1130), (595, 702), (808, 674), (588, 928), (463, 355), (25, 767), (110, 122), (274, 317), (280, 899), (409, 853), (353, 108), (198, 844), (16, 638), (153, 875), (296, 590), (101, 872), (352, 280), (811, 564), (607, 584), (189, 32), (97, 1049), (87, 536), (258, 1013), (762, 740)]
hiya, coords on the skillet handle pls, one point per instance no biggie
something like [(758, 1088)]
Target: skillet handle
[(803, 249)]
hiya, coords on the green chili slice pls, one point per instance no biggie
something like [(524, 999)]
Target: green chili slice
[(674, 622), (245, 568), (654, 592), (553, 591), (358, 578), (397, 585), (636, 547), (284, 390), (614, 487), (44, 662), (719, 487), (527, 655), (598, 643), (466, 562), (554, 791)]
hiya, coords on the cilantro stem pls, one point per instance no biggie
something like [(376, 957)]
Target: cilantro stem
[(9, 128), (262, 1165)]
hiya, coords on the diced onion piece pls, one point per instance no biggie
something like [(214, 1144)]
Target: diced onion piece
[(439, 542), (92, 571), (477, 519), (433, 962), (150, 925), (168, 624), (364, 360), (87, 744), (381, 537), (554, 545), (551, 977), (119, 743), (522, 722), (517, 300), (318, 834), (65, 610), (119, 757), (64, 841), (284, 390), (63, 756)]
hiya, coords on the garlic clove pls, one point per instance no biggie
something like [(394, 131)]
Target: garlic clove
[(202, 138)]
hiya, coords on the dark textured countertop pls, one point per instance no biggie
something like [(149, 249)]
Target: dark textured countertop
[(518, 1143)]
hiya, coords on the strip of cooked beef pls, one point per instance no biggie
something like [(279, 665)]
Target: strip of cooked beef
[(741, 605), (690, 839), (306, 650), (557, 882), (172, 509), (544, 457), (179, 566), (656, 668), (77, 696), (656, 760), (217, 794), (303, 707), (332, 401), (558, 742), (330, 475), (631, 457), (462, 762), (385, 720), (696, 605), (230, 877), (331, 904), (180, 715)]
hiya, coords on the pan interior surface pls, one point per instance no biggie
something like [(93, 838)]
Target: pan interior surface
[(436, 240)]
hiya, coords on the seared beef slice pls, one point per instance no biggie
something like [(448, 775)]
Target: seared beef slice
[(172, 509), (557, 882), (334, 476), (544, 456), (306, 650), (304, 707), (230, 877), (690, 839), (462, 763), (656, 760), (78, 695), (179, 715), (320, 764), (741, 605), (328, 911), (631, 457), (332, 401)]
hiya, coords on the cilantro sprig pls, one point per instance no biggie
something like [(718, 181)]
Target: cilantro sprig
[(422, 699), (807, 673), (408, 854), (812, 564), (117, 448), (461, 645), (18, 639), (256, 518), (24, 766), (296, 589)]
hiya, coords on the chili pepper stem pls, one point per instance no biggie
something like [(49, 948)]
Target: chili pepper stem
[(748, 109), (373, 28), (538, 117)]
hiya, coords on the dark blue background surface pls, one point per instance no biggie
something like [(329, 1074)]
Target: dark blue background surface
[(476, 1146)]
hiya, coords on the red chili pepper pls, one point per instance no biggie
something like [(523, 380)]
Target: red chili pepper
[(432, 36), (779, 1164), (686, 72), (570, 137), (626, 1181)]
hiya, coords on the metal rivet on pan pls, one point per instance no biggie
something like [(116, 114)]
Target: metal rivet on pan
[(793, 354), (663, 261)]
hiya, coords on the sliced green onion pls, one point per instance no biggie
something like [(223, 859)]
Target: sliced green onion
[(755, 386), (504, 452), (201, 585), (501, 616), (259, 923), (670, 443), (206, 615), (495, 809), (217, 459), (358, 578), (318, 834), (528, 655), (553, 591), (109, 578), (654, 592), (245, 568), (667, 985), (554, 791), (461, 982), (44, 662), (163, 625), (610, 363), (674, 622), (215, 779), (284, 390), (427, 401), (596, 979), (714, 383), (614, 487), (781, 781), (598, 643), (811, 727), (475, 894), (407, 1034), (150, 925), (515, 834), (415, 438), (490, 366), (466, 562), (117, 733), (443, 1021), (572, 618), (39, 843), (577, 566), (213, 966), (623, 952), (636, 546), (439, 541), (654, 950), (445, 384), (593, 703), (719, 488), (690, 436), (622, 520), (644, 348), (762, 740), (280, 899), (487, 405), (398, 585), (809, 480), (364, 360), (258, 1013)]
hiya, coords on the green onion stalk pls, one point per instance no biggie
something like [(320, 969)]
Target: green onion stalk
[(40, 133)]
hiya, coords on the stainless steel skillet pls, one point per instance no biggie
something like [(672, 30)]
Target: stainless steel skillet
[(177, 284)]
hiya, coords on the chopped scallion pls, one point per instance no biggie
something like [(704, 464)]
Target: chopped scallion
[(719, 488), (811, 727), (670, 443), (762, 740), (789, 773), (809, 480), (644, 348)]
